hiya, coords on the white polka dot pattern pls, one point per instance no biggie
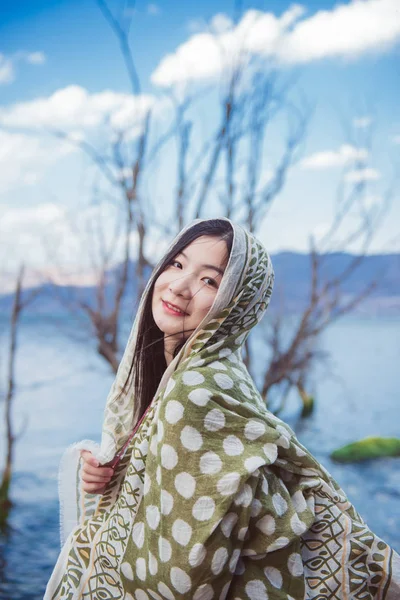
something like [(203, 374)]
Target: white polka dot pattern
[(298, 527), (166, 502), (228, 484), (138, 534), (181, 532), (233, 446), (153, 516), (254, 429), (280, 504), (153, 564), (147, 483), (228, 523), (192, 378), (191, 438), (266, 524), (219, 559), (274, 576), (169, 456), (203, 508), (197, 555), (158, 475), (164, 549), (253, 462), (210, 463), (165, 591), (256, 590), (271, 452), (126, 570), (200, 396), (223, 381), (295, 564), (173, 412), (141, 569), (185, 484), (244, 496), (217, 365), (180, 580), (214, 420), (204, 592)]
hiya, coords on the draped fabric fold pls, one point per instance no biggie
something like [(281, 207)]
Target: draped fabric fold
[(215, 497)]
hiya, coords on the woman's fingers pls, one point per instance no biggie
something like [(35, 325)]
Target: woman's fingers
[(91, 466), (94, 476), (89, 458), (93, 488), (100, 472), (89, 478)]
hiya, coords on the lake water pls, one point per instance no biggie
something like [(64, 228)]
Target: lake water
[(62, 387)]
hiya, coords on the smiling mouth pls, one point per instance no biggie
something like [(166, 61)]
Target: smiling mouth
[(173, 310)]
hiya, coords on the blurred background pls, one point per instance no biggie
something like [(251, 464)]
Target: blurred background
[(122, 121)]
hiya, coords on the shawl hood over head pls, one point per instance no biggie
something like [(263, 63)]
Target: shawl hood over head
[(240, 303)]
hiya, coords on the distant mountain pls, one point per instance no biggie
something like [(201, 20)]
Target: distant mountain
[(293, 273), (292, 285)]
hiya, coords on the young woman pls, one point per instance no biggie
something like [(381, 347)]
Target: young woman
[(198, 491)]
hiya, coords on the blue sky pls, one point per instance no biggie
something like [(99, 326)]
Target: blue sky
[(54, 55)]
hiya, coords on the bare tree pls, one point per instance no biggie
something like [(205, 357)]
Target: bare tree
[(17, 308), (355, 221), (251, 97), (102, 314)]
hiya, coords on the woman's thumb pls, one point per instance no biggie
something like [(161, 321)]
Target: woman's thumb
[(87, 455)]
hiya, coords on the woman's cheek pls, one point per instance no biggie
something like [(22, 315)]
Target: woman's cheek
[(161, 282)]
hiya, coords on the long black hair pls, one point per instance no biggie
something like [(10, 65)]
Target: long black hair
[(149, 364)]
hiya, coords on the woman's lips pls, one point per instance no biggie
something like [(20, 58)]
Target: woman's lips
[(171, 311)]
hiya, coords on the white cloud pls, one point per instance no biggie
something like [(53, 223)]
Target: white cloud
[(153, 9), (319, 231), (345, 155), (362, 122), (221, 23), (200, 58), (54, 239), (371, 202), (36, 58), (72, 108), (24, 159), (346, 31), (266, 177), (205, 55), (196, 25), (27, 225), (8, 64), (28, 218), (363, 175), (6, 70)]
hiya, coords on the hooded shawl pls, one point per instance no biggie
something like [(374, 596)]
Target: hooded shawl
[(215, 496)]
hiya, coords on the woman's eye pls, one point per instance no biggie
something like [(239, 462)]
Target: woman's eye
[(212, 281), (175, 262)]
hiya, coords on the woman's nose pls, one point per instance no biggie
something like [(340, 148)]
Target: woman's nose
[(181, 286)]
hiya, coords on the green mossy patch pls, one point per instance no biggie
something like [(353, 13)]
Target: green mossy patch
[(366, 449)]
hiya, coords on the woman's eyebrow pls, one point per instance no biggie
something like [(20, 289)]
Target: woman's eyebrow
[(220, 271)]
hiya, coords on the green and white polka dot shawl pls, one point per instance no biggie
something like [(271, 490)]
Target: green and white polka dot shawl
[(215, 497)]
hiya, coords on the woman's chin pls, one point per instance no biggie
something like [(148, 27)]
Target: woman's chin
[(168, 328)]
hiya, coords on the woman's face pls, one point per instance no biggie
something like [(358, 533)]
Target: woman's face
[(189, 283)]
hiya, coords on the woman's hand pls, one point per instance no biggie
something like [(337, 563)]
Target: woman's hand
[(94, 477)]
